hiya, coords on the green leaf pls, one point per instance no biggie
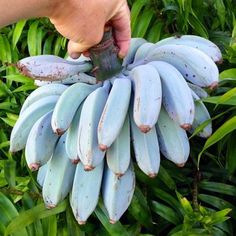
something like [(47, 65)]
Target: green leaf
[(185, 204), (17, 32), (144, 23), (218, 187), (215, 100), (218, 203), (166, 178), (47, 47), (165, 212), (38, 212), (197, 26), (8, 106), (19, 78), (231, 154), (220, 133), (154, 34), (32, 38), (135, 11), (230, 73), (221, 12), (227, 96), (24, 88), (50, 226), (10, 172), (140, 210), (57, 46), (113, 229)]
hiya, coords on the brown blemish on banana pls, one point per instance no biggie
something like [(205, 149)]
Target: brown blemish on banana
[(144, 128), (213, 86), (34, 166), (88, 167), (186, 126), (103, 147), (181, 165)]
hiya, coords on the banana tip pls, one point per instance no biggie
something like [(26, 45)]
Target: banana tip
[(75, 161), (88, 167), (152, 175), (50, 206), (186, 126), (119, 175), (34, 166), (80, 222), (103, 147), (213, 86), (59, 132), (180, 165), (144, 128), (112, 221)]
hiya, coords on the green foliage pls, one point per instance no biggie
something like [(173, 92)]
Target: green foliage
[(198, 199)]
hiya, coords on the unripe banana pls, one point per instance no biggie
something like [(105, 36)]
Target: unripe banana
[(81, 77), (117, 192), (114, 113), (41, 83), (200, 92), (63, 114), (176, 95), (146, 149), (147, 96), (47, 90), (48, 67), (88, 149), (72, 137), (173, 140), (59, 177), (85, 191), (26, 121), (197, 68), (200, 43), (143, 51), (135, 43), (40, 143), (41, 174), (201, 115), (118, 155)]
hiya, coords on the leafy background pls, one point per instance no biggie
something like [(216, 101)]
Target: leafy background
[(199, 199)]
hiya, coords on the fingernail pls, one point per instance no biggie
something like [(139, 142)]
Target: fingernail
[(75, 55)]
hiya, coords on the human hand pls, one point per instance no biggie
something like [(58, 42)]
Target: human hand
[(83, 23)]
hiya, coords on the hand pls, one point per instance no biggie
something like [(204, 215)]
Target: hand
[(83, 22)]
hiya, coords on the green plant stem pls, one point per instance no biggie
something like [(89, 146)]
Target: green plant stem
[(15, 191), (196, 179)]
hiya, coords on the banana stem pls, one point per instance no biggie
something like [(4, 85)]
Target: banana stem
[(105, 59)]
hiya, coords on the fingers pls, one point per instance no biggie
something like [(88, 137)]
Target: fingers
[(122, 31)]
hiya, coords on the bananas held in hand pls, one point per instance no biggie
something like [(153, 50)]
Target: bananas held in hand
[(71, 119)]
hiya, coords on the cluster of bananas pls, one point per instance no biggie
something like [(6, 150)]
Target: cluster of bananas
[(73, 119)]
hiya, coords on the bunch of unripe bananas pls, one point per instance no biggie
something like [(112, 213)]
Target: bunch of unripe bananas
[(73, 119)]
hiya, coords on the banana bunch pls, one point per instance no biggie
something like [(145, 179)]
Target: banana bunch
[(77, 131)]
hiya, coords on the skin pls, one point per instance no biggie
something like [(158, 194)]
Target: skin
[(81, 21)]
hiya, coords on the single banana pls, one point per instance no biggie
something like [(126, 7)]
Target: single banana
[(201, 115), (135, 43), (200, 43), (146, 149), (173, 140), (118, 155), (26, 121), (87, 147), (85, 191), (176, 95), (147, 96), (48, 67), (143, 51), (200, 92), (117, 192), (59, 177), (47, 90), (63, 113), (193, 64), (72, 137), (40, 143), (114, 113), (41, 174)]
